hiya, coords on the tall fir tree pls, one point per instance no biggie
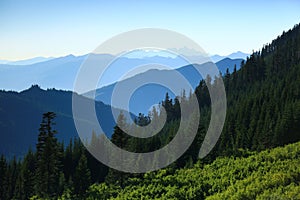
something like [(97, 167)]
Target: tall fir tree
[(25, 181), (3, 177), (48, 159), (119, 138), (82, 177)]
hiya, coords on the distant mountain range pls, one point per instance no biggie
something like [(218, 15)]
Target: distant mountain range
[(151, 93), (26, 61), (21, 114), (31, 61), (60, 73), (235, 55)]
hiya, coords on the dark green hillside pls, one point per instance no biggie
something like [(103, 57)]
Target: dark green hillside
[(270, 174), (264, 97), (263, 104)]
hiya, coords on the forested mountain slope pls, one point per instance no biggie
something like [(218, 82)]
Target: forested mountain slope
[(263, 103)]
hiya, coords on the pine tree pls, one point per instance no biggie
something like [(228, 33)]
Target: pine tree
[(3, 177), (25, 181), (98, 169), (168, 105), (82, 177), (12, 176), (48, 159), (119, 138)]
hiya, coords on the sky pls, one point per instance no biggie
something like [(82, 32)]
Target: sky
[(48, 28)]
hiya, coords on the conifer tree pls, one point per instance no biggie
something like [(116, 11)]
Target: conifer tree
[(25, 181), (82, 177), (48, 159), (3, 177), (119, 138)]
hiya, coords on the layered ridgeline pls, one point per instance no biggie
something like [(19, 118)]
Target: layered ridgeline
[(263, 100), (60, 73), (20, 115), (150, 94), (20, 112)]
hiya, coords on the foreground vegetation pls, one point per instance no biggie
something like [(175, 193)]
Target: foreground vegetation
[(270, 174)]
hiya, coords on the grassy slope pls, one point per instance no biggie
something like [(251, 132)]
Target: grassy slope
[(271, 174)]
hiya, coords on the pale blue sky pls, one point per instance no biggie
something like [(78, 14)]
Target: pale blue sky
[(56, 28)]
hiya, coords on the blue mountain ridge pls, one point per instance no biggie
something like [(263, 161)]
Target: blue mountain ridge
[(147, 95)]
